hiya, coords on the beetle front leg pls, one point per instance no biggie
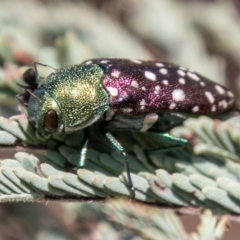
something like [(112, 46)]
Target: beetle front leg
[(84, 147), (114, 144)]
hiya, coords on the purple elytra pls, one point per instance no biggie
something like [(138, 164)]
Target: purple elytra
[(140, 87)]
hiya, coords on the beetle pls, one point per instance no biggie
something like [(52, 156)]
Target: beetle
[(120, 94)]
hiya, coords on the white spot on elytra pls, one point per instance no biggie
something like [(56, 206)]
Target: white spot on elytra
[(178, 95), (183, 68), (134, 84), (88, 62), (165, 82), (193, 76), (213, 109), (142, 102), (230, 94), (115, 73), (159, 64), (181, 73), (219, 89), (202, 84), (156, 89), (150, 75), (195, 109), (143, 88), (224, 104), (231, 102), (148, 121), (104, 61), (172, 105), (127, 110), (181, 80), (112, 91), (210, 97), (136, 61), (163, 71)]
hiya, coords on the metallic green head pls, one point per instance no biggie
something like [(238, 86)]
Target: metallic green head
[(71, 98)]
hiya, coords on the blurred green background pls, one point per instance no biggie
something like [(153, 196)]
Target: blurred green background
[(203, 35)]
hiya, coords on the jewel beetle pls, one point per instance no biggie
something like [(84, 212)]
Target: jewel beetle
[(120, 94)]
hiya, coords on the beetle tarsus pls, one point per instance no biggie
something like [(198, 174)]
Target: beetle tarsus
[(126, 163)]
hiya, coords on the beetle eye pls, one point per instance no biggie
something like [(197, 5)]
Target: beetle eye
[(50, 121)]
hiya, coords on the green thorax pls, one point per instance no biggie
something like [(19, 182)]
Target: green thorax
[(79, 94)]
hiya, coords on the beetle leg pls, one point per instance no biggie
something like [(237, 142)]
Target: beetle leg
[(114, 144), (83, 152), (177, 142), (169, 138)]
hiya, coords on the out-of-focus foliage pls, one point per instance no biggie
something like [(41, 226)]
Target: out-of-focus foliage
[(201, 35), (150, 223)]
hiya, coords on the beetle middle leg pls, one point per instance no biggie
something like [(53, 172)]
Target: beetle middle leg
[(84, 147), (114, 144)]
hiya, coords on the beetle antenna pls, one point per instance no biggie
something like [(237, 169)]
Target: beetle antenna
[(22, 86), (33, 95), (41, 64)]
